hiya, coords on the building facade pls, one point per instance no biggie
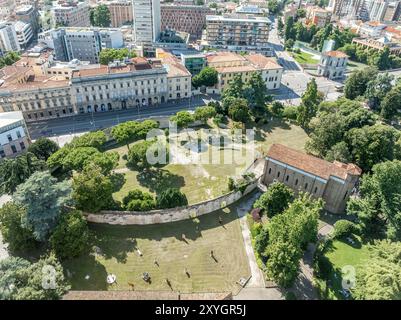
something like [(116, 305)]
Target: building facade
[(193, 62), (379, 44), (8, 37), (318, 16), (14, 136), (83, 44), (186, 18), (29, 14), (71, 14), (229, 64), (120, 12), (120, 86), (332, 64), (333, 182), (147, 23), (238, 34), (24, 34)]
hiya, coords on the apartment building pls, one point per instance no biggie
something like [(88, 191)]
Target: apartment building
[(229, 64), (332, 64), (334, 182), (71, 13), (393, 11), (194, 62), (120, 86), (83, 44), (121, 12), (318, 16), (8, 37), (29, 14), (238, 34), (186, 18), (14, 136), (147, 24), (24, 33), (178, 77)]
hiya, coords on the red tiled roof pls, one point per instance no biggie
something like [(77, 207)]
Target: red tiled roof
[(310, 164), (336, 54)]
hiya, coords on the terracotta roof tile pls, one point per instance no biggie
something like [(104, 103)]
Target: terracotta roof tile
[(310, 164), (336, 54)]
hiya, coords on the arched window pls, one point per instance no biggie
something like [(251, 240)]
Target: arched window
[(270, 170)]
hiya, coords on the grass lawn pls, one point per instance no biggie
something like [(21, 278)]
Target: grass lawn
[(305, 58), (173, 252), (342, 254), (202, 181)]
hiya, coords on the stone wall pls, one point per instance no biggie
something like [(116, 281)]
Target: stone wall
[(170, 215)]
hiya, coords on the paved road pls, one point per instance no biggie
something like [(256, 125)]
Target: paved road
[(99, 120)]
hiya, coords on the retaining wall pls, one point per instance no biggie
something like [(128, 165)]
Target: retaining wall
[(170, 215)]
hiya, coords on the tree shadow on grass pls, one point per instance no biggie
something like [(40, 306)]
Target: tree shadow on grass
[(157, 180)]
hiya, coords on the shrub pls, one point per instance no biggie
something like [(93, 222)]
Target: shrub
[(261, 241), (290, 113), (171, 198), (231, 184), (344, 228), (138, 200), (255, 229)]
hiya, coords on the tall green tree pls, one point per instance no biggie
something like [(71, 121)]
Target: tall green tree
[(256, 92), (43, 148), (377, 89), (207, 77), (275, 200), (356, 84), (391, 103), (125, 132), (235, 88), (101, 16), (309, 104), (182, 119), (44, 199), (239, 111)]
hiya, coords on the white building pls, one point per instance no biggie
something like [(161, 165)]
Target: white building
[(8, 37), (14, 137), (147, 25), (333, 64), (24, 33)]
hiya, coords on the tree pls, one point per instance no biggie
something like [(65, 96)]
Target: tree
[(383, 61), (391, 103), (208, 77), (204, 113), (137, 155), (43, 148), (261, 241), (370, 145), (92, 190), (22, 280), (108, 55), (144, 127), (339, 152), (380, 279), (101, 16), (15, 171), (235, 87), (356, 84), (182, 119), (275, 200), (44, 199), (256, 91), (17, 237), (95, 139), (171, 198), (344, 228), (125, 132), (276, 109), (289, 31), (378, 207), (273, 6), (77, 158), (138, 200), (377, 89), (71, 236), (310, 101), (239, 111), (107, 161)]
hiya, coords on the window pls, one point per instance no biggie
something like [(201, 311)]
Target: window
[(296, 182), (315, 190), (22, 145), (278, 174), (270, 170), (345, 195), (18, 134), (14, 149), (9, 138), (286, 179), (2, 154), (306, 186)]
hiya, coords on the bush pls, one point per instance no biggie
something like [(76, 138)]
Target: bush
[(231, 184), (256, 228), (171, 198), (261, 241), (138, 200), (344, 228), (290, 113), (71, 236)]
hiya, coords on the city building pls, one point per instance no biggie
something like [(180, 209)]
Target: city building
[(71, 13), (171, 39), (24, 33), (376, 9), (194, 62), (238, 34), (35, 95), (333, 182), (371, 29), (147, 24), (379, 44), (347, 8), (141, 82), (14, 136), (186, 18), (229, 64), (29, 14), (120, 12), (251, 9), (8, 37), (7, 7), (393, 11), (333, 64), (178, 77), (318, 16), (83, 44)]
